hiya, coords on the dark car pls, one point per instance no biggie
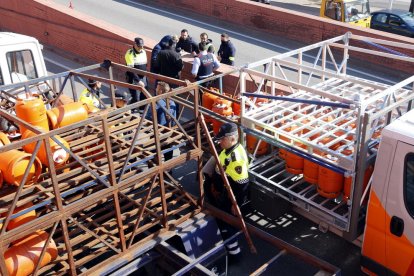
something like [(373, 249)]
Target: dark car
[(393, 21)]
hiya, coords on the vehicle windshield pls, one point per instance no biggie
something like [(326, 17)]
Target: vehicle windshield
[(357, 9), (408, 18)]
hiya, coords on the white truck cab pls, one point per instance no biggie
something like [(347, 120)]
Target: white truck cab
[(388, 245), (21, 58)]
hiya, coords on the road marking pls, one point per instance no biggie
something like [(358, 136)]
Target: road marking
[(357, 72)]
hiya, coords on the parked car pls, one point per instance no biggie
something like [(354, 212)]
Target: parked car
[(263, 1), (393, 21)]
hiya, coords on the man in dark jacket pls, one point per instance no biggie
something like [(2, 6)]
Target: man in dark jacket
[(186, 43), (156, 50), (227, 51), (169, 62), (210, 47)]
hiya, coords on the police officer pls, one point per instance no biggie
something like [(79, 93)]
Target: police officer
[(227, 51), (136, 57), (204, 65), (235, 163), (90, 95)]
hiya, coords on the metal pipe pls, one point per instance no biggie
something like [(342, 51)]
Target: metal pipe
[(264, 96), (207, 254)]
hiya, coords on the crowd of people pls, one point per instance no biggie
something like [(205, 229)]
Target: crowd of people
[(166, 60)]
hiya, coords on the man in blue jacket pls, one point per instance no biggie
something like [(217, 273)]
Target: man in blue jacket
[(227, 51)]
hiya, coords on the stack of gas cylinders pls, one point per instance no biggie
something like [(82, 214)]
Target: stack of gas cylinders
[(22, 255), (330, 184), (231, 110)]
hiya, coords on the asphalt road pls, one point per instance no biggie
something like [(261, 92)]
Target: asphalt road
[(155, 22)]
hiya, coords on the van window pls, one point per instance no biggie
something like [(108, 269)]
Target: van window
[(21, 66), (409, 183)]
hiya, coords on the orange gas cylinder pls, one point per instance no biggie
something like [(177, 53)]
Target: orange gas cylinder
[(13, 164), (223, 110), (261, 101), (63, 99), (236, 109), (22, 219), (348, 182), (294, 163), (91, 109), (4, 140), (59, 155), (67, 114), (310, 171), (252, 141), (33, 111), (22, 257), (282, 152), (208, 102), (330, 183), (222, 101)]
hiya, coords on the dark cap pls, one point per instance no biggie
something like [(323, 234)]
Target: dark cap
[(139, 41), (225, 35), (91, 82), (227, 129)]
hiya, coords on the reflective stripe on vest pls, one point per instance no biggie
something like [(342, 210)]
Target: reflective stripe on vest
[(235, 164), (134, 59)]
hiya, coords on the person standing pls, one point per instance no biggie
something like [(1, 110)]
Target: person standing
[(227, 51), (186, 43), (156, 50), (90, 95), (163, 118), (136, 57), (233, 158), (209, 43), (169, 62), (411, 9), (204, 65)]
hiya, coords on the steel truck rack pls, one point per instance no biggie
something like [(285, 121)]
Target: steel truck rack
[(328, 117), (114, 206)]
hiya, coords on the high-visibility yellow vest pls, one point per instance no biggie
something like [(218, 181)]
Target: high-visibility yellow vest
[(89, 98), (235, 164), (134, 59)]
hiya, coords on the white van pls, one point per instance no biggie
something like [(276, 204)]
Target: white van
[(21, 58)]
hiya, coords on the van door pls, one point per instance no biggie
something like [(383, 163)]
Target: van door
[(399, 230)]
